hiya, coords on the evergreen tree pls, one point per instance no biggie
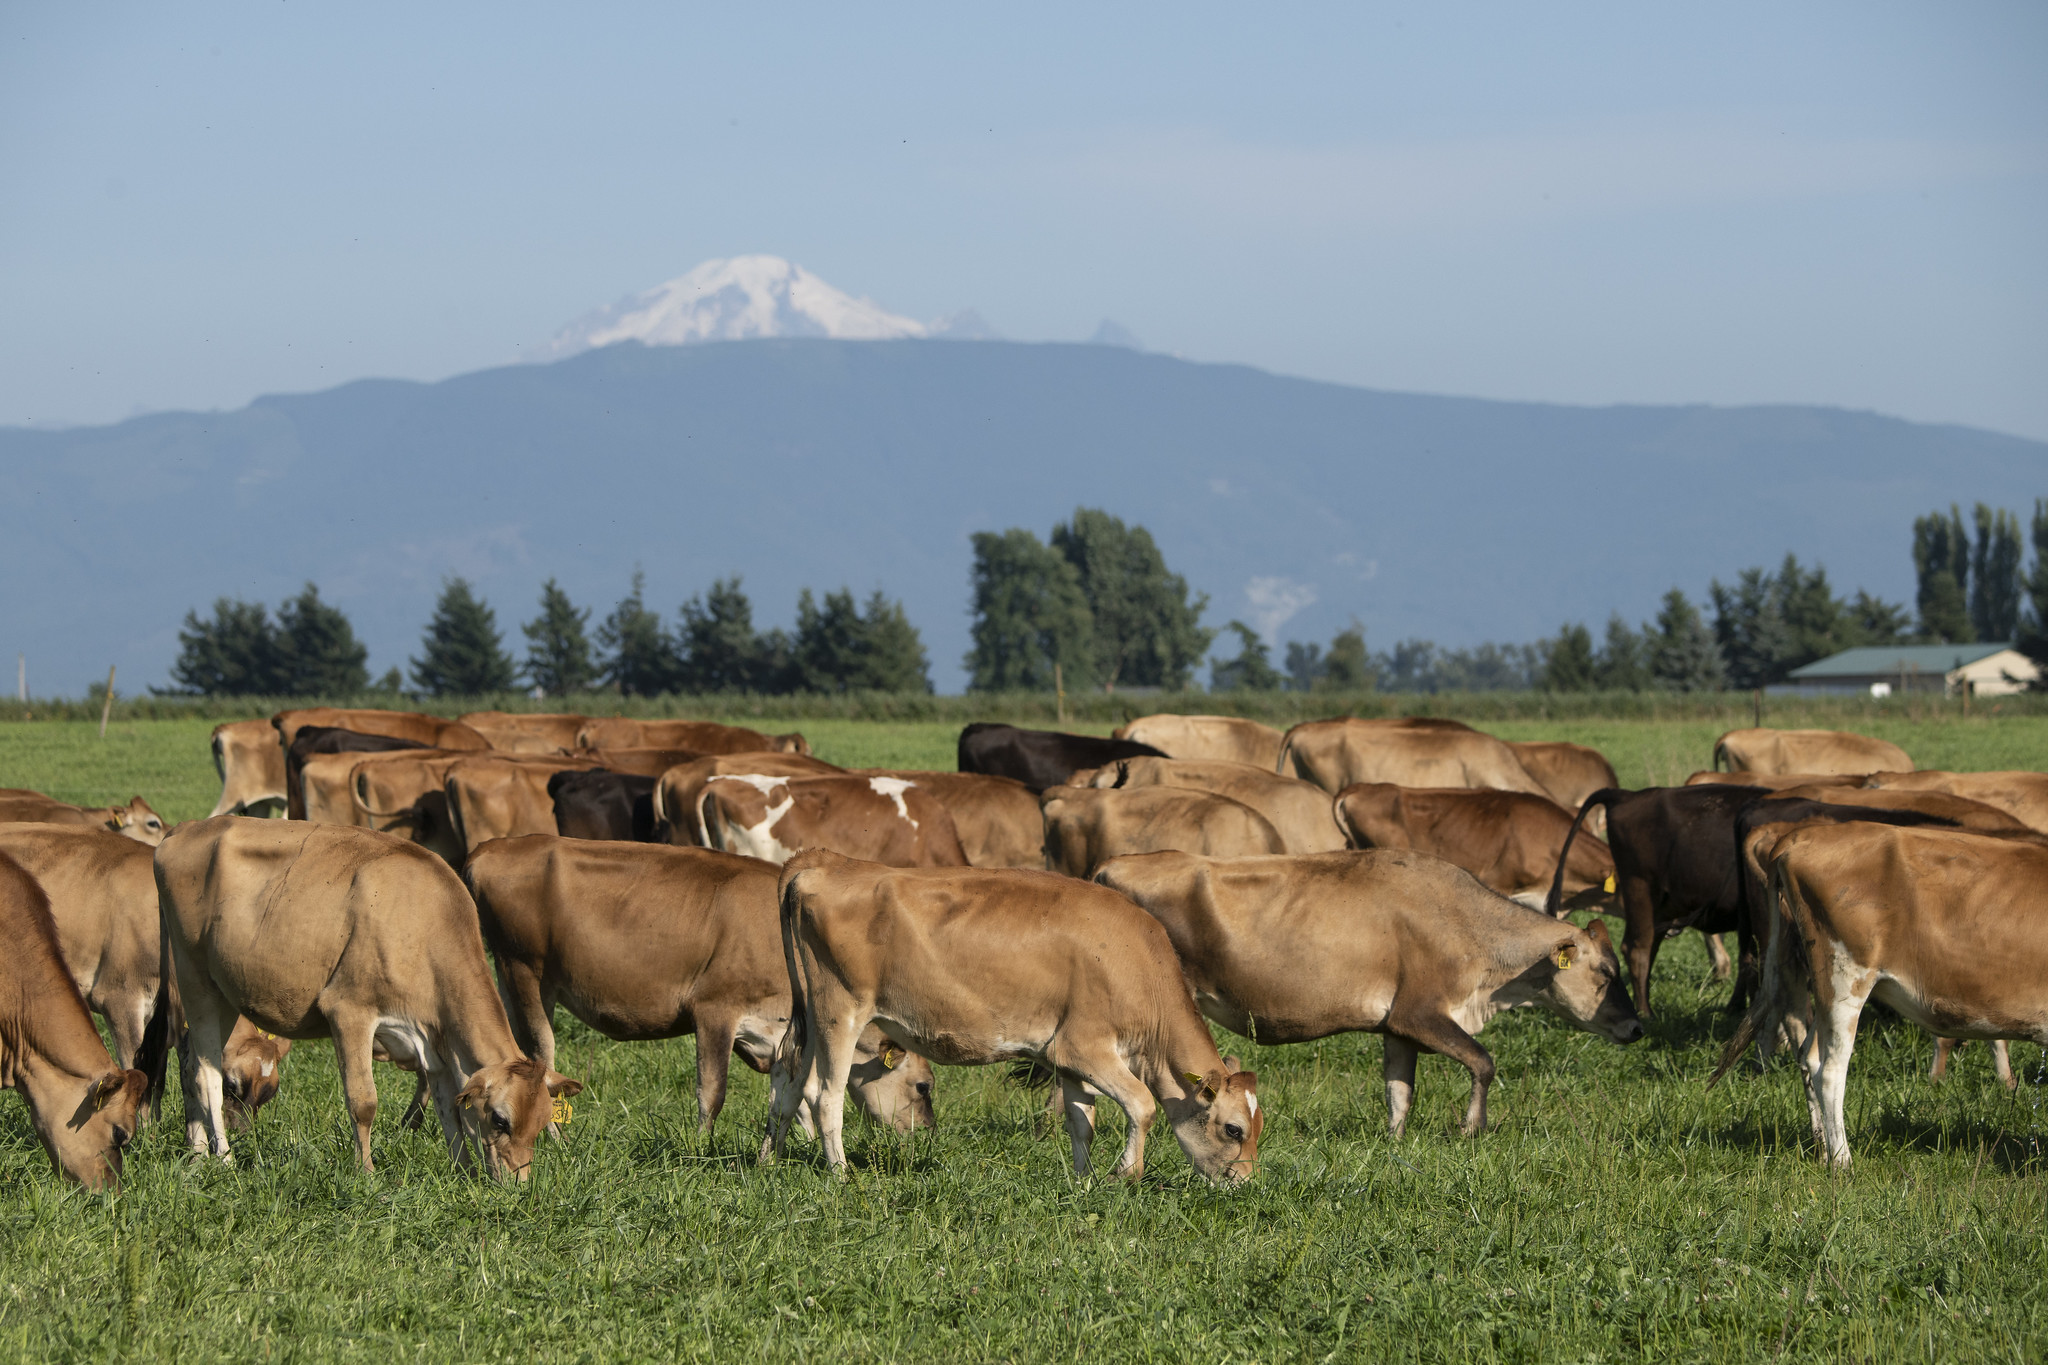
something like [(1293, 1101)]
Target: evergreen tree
[(318, 654), (1568, 660), (720, 650), (1941, 562), (1683, 657), (2032, 633), (1346, 668), (1029, 614), (1995, 575), (1624, 663), (1873, 621), (827, 650), (1305, 666), (558, 645), (1251, 671), (463, 654), (895, 658), (232, 655), (1147, 632), (393, 682), (639, 655)]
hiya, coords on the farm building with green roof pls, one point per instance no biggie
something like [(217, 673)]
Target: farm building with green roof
[(1988, 670)]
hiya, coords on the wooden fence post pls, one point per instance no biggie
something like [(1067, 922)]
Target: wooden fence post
[(108, 709)]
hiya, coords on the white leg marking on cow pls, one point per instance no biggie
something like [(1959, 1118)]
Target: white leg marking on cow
[(893, 788)]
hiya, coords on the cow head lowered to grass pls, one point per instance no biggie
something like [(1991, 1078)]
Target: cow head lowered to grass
[(506, 1105)]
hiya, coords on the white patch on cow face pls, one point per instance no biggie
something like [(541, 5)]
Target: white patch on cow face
[(1251, 1101), (267, 1067), (758, 840), (893, 788)]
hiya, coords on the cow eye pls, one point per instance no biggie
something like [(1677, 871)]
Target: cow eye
[(1233, 1132), (500, 1122)]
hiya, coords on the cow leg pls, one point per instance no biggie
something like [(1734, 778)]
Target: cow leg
[(446, 1082), (529, 1009), (1639, 938), (1835, 1028), (1717, 954), (825, 1085), (208, 1020), (1747, 960), (1397, 1064), (2001, 1064), (1944, 1048), (415, 1116), (714, 1060), (1077, 1099), (1135, 1100), (353, 1046), (1442, 1035)]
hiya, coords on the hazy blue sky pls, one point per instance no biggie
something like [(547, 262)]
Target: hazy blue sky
[(1835, 203)]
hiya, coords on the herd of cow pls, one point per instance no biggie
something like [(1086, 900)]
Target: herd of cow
[(1074, 903)]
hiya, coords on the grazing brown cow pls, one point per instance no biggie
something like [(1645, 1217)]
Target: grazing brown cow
[(537, 732), (1774, 781), (880, 819), (101, 890), (20, 806), (399, 793), (250, 761), (639, 762), (1946, 927), (1394, 942), (313, 740), (996, 818), (1768, 751), (972, 966), (675, 795), (1087, 826), (643, 941), (1510, 841), (376, 946), (504, 796), (1568, 773), (698, 736), (82, 1106), (1299, 810), (2022, 795), (1228, 738), (431, 731), (1408, 751)]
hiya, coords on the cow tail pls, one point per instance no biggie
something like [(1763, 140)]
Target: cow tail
[(1783, 955), (793, 959), (1722, 756), (704, 822), (1286, 759), (153, 1053), (1604, 798)]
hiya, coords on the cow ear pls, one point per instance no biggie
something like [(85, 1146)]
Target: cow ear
[(1229, 1066), (1603, 943), (558, 1084), (1565, 956), (106, 1088), (1205, 1087), (473, 1094), (892, 1056)]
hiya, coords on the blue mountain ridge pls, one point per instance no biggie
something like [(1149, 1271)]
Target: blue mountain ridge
[(869, 464)]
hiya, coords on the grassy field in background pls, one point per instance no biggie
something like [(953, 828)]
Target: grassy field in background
[(1618, 1210)]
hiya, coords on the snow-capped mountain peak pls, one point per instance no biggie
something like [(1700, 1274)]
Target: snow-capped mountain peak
[(742, 297)]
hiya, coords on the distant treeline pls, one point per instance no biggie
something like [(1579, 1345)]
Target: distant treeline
[(1094, 607)]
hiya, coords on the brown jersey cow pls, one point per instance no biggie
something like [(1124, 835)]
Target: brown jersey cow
[(1568, 773), (1510, 841), (432, 731), (1394, 942), (1299, 811), (359, 936), (1949, 928), (675, 795), (250, 761), (82, 1106), (971, 966), (1087, 826), (2022, 795), (996, 818), (1231, 739), (1407, 751), (879, 819), (1764, 750), (504, 796), (527, 732), (698, 736), (643, 941), (19, 806)]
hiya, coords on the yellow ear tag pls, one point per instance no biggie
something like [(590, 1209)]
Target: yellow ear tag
[(1608, 885), (890, 1057), (561, 1111), (99, 1099), (1192, 1079), (1563, 957)]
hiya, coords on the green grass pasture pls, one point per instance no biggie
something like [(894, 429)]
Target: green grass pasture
[(1617, 1211)]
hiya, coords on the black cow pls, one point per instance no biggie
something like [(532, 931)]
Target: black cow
[(597, 803), (1677, 867), (1040, 758), (328, 739)]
